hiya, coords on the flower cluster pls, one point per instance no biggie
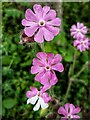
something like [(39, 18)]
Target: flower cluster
[(42, 24), (79, 32)]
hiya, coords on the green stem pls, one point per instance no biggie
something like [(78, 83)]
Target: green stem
[(42, 47), (82, 69), (74, 61), (70, 74), (11, 63), (68, 90)]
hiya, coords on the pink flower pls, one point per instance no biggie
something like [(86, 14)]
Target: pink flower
[(82, 44), (41, 97), (42, 23), (78, 31), (69, 111), (44, 66)]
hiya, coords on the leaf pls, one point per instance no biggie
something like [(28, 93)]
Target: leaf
[(6, 60), (68, 57), (60, 37), (9, 103), (13, 13)]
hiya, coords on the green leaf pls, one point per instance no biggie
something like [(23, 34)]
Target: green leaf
[(6, 60), (61, 37), (68, 57), (9, 103)]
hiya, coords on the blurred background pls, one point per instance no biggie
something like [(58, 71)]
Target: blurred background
[(17, 60)]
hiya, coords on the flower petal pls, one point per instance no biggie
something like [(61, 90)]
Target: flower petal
[(37, 106), (30, 15), (37, 62), (32, 100), (39, 76), (28, 23), (38, 10), (52, 29), (58, 67), (39, 36), (47, 34), (53, 79), (45, 10), (42, 56), (67, 107), (54, 22), (72, 107), (46, 97), (76, 110), (75, 116), (43, 104), (56, 59), (29, 31), (50, 57), (62, 111), (33, 89), (50, 15), (35, 69)]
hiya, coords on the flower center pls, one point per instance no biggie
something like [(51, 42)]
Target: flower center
[(47, 68), (38, 93), (41, 23), (78, 30), (82, 43)]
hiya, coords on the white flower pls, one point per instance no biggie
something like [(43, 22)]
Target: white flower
[(40, 102)]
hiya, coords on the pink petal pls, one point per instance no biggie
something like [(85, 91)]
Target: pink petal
[(72, 107), (45, 78), (32, 93), (81, 25), (28, 23), (76, 42), (78, 25), (46, 97), (38, 10), (42, 56), (30, 15), (75, 116), (53, 79), (58, 67), (50, 15), (76, 110), (50, 57), (54, 22), (33, 89), (45, 10), (37, 62), (73, 28), (52, 29), (62, 111), (39, 36), (47, 34), (39, 76), (35, 69), (57, 59), (67, 107), (73, 33), (30, 31)]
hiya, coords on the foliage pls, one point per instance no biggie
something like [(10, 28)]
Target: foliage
[(17, 60)]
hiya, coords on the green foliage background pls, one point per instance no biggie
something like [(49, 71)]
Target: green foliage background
[(17, 60)]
